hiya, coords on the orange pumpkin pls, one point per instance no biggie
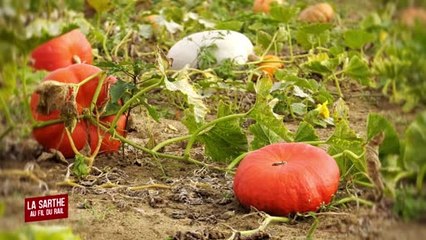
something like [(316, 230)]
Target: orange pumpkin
[(62, 51), (264, 5), (321, 12), (410, 16), (270, 64), (285, 178), (84, 133)]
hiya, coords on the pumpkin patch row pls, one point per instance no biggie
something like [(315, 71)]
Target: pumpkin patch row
[(68, 57), (280, 179)]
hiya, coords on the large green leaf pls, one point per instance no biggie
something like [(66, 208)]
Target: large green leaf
[(282, 13), (305, 132), (357, 69), (313, 34), (345, 139), (357, 38), (376, 124), (263, 136), (263, 110), (226, 140), (415, 142)]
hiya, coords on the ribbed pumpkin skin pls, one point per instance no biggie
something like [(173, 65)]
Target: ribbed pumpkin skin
[(61, 51), (285, 178)]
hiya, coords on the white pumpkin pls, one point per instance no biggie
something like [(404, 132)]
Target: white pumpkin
[(230, 45)]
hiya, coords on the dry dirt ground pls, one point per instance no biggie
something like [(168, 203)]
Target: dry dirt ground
[(178, 200)]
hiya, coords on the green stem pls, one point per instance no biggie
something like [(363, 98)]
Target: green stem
[(336, 81), (270, 45), (347, 152), (194, 136), (6, 111), (97, 92), (5, 132), (117, 135), (130, 102), (268, 220), (353, 199), (88, 79), (420, 177), (236, 161), (115, 50), (25, 95), (104, 46), (364, 184), (170, 141), (47, 123), (290, 44), (315, 142)]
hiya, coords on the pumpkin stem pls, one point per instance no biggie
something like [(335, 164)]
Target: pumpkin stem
[(76, 59), (279, 163)]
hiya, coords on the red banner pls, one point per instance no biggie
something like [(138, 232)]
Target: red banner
[(46, 208)]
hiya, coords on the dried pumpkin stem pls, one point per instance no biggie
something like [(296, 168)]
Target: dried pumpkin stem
[(143, 187)]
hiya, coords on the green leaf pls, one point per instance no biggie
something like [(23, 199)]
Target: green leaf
[(263, 88), (376, 124), (316, 28), (100, 5), (340, 110), (121, 90), (409, 204), (263, 136), (305, 132), (415, 142), (193, 98), (317, 67), (345, 139), (312, 35), (263, 111), (229, 25), (151, 110), (357, 38), (226, 140), (263, 39), (357, 69), (282, 13), (298, 108), (189, 121), (80, 168)]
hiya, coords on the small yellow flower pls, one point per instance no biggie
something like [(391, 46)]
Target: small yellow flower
[(323, 109), (383, 36)]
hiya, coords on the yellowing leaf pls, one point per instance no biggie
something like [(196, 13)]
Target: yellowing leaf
[(100, 5)]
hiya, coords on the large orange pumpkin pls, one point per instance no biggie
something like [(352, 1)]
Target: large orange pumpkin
[(285, 178), (54, 136), (62, 51)]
